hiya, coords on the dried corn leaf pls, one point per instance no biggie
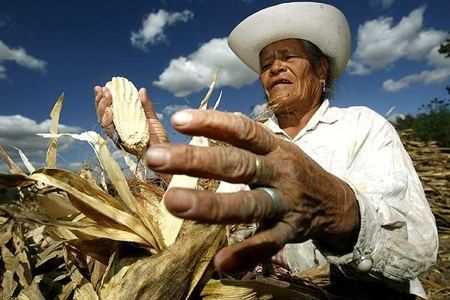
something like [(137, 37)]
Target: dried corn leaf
[(217, 101), (23, 270), (6, 234), (32, 292), (14, 168), (53, 251), (54, 121), (89, 197), (66, 291), (119, 181), (9, 285), (55, 205), (215, 289), (169, 274), (79, 184), (204, 102), (132, 166), (204, 268), (58, 233), (84, 289), (90, 230), (25, 160), (11, 262), (14, 180)]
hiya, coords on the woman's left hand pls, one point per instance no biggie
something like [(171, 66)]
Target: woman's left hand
[(308, 202)]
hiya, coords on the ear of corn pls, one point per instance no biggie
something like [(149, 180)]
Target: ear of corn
[(128, 115)]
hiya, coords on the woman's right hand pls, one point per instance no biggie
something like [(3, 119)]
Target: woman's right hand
[(103, 100)]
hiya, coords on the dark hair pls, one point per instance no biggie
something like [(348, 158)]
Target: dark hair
[(315, 54)]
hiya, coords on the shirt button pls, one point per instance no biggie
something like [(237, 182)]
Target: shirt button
[(364, 264)]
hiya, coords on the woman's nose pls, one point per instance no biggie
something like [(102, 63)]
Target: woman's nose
[(277, 67)]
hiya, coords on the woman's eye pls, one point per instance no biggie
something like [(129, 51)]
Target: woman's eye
[(291, 56), (266, 66)]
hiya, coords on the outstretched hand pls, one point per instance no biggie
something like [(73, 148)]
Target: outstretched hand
[(311, 202), (103, 100)]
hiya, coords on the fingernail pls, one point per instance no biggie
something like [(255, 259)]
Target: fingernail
[(178, 204), (157, 157), (182, 118)]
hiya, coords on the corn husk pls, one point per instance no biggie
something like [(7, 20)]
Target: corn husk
[(170, 225)]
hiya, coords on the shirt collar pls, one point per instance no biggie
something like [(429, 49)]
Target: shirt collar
[(323, 115)]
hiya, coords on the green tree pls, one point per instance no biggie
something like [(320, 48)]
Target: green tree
[(431, 124), (445, 48)]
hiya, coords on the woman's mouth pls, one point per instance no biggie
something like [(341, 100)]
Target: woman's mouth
[(280, 82)]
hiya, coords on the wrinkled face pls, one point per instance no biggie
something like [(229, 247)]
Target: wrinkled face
[(288, 78)]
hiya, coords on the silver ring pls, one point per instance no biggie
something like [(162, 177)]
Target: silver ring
[(258, 171), (274, 198)]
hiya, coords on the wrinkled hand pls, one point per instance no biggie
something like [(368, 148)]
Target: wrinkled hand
[(103, 100), (313, 203)]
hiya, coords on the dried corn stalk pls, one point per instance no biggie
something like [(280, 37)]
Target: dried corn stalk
[(54, 121), (128, 115)]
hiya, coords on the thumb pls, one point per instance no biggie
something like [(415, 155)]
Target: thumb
[(147, 104)]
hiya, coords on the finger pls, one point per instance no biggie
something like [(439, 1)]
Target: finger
[(104, 100), (220, 208), (235, 129), (259, 248), (107, 122), (158, 134), (225, 163), (98, 95), (147, 104)]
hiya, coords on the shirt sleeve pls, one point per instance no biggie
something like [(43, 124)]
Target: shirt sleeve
[(398, 236)]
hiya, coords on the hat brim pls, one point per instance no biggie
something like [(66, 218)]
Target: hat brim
[(322, 24)]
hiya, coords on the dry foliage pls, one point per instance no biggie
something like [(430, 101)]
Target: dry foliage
[(433, 167), (79, 236)]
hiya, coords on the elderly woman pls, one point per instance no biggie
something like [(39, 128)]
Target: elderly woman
[(326, 184)]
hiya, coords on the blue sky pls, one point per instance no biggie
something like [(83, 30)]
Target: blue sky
[(172, 48)]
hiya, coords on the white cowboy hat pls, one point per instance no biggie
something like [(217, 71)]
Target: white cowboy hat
[(322, 24)]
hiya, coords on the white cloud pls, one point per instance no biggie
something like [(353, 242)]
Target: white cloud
[(385, 4), (426, 77), (19, 56), (186, 75), (171, 109), (160, 116), (152, 31), (261, 112), (380, 42), (20, 132), (2, 72), (259, 108)]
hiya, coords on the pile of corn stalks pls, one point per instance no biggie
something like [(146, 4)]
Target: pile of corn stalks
[(433, 167)]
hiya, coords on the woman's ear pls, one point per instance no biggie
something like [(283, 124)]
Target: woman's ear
[(322, 69)]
